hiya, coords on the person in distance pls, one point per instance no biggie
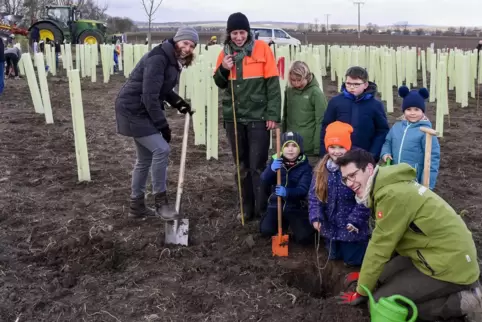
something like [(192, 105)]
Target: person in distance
[(140, 114)]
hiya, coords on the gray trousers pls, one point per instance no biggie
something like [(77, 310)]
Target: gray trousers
[(435, 299), (152, 153)]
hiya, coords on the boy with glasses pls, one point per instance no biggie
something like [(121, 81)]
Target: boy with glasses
[(357, 106)]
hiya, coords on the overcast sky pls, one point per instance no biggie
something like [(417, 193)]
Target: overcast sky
[(383, 12)]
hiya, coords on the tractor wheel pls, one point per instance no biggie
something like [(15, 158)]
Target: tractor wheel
[(90, 37), (49, 30)]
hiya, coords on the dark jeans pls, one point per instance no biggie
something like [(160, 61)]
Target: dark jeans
[(435, 299), (253, 146), (297, 220), (12, 60), (352, 253)]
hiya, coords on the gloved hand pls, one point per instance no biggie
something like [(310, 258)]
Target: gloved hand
[(350, 298), (166, 133), (280, 191), (184, 108), (277, 164), (351, 280)]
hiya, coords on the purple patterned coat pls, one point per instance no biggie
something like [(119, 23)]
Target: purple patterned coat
[(340, 210)]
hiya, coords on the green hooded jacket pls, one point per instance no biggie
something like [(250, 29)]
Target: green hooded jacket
[(416, 223), (303, 112)]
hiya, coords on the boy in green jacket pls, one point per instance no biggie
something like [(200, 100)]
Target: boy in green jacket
[(437, 264), (303, 109)]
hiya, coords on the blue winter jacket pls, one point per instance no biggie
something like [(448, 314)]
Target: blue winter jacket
[(406, 144), (364, 113), (340, 210), (296, 180)]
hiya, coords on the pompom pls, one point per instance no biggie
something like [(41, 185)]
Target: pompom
[(424, 93), (403, 91)]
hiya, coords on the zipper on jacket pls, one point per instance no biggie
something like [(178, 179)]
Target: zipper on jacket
[(401, 144), (424, 261)]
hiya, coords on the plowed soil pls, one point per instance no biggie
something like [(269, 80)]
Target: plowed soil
[(68, 252)]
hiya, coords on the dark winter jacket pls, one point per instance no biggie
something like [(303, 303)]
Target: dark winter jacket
[(340, 210), (140, 103), (2, 48), (296, 179), (364, 113)]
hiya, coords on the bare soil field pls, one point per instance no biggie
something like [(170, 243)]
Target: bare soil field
[(68, 252), (340, 39)]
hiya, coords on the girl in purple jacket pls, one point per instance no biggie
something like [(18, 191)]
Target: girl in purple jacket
[(333, 210)]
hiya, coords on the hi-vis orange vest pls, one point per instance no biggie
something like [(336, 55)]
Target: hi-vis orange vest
[(257, 90)]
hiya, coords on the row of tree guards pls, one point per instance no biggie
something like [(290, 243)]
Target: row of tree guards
[(438, 70)]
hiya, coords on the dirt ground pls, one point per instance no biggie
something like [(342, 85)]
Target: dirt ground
[(318, 38), (68, 252)]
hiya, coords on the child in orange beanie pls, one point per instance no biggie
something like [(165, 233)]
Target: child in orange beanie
[(333, 209)]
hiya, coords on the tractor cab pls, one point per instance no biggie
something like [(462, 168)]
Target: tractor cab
[(65, 24), (63, 14)]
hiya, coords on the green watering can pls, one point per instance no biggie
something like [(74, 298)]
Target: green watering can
[(389, 310)]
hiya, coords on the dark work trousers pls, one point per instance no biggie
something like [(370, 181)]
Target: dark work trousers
[(12, 61), (435, 299), (253, 146), (297, 220), (352, 253)]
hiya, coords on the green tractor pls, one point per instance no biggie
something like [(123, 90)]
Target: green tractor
[(64, 23)]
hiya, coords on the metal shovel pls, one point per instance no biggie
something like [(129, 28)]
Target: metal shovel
[(177, 230)]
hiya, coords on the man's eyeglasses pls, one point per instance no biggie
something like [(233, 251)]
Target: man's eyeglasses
[(354, 85), (350, 177)]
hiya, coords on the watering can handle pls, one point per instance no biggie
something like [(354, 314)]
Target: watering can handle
[(410, 303), (389, 161)]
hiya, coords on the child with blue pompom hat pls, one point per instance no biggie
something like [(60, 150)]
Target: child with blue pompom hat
[(405, 143)]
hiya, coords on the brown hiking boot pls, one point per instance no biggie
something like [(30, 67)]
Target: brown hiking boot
[(163, 209), (138, 208)]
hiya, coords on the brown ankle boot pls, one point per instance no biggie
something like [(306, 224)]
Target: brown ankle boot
[(139, 209), (163, 209)]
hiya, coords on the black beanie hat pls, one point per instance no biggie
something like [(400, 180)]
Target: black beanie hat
[(292, 137), (238, 21)]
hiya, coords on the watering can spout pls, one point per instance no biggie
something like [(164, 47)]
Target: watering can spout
[(371, 300)]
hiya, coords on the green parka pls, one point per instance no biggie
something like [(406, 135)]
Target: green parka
[(303, 112), (416, 223)]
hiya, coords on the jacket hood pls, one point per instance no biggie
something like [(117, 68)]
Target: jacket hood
[(369, 93), (392, 174), (314, 83)]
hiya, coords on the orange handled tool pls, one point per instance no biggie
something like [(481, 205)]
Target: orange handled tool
[(279, 243)]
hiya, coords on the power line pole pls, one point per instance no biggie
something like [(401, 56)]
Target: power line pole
[(327, 16), (358, 3)]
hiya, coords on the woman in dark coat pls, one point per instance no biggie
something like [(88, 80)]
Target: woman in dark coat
[(140, 115)]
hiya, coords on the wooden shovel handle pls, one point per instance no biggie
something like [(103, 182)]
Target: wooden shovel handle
[(278, 180), (428, 154), (182, 167)]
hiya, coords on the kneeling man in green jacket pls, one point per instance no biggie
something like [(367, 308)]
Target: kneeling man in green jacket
[(420, 247)]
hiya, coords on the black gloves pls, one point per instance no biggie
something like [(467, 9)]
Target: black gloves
[(166, 133), (178, 102), (185, 108)]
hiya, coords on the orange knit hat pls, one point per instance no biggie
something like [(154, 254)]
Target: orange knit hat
[(338, 133)]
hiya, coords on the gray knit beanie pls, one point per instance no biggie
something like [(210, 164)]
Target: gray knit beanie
[(187, 33)]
